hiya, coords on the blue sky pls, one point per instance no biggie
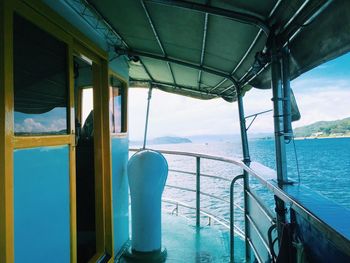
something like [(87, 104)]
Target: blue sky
[(322, 94)]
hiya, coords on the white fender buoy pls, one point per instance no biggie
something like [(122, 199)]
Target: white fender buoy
[(147, 174)]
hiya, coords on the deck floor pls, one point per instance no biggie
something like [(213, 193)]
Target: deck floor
[(185, 243)]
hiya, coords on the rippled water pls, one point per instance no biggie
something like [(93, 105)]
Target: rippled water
[(324, 166)]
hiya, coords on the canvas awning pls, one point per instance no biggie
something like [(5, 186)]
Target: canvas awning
[(206, 49)]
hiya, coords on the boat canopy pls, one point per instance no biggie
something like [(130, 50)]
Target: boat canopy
[(207, 49)]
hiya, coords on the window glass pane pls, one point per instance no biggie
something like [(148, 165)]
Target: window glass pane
[(116, 107), (117, 112), (40, 81), (87, 104)]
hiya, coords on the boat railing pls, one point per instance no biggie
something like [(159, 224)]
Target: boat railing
[(211, 217), (260, 244)]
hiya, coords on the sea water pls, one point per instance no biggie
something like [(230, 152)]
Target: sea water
[(320, 164)]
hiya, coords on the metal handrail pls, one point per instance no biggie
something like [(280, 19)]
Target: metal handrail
[(267, 178), (203, 175), (263, 179), (235, 161), (222, 221), (233, 182), (204, 193), (227, 224), (256, 170)]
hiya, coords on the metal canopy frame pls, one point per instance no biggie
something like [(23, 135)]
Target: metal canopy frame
[(277, 39), (304, 16), (249, 49), (246, 18), (132, 53), (87, 11), (205, 30), (177, 86), (157, 38), (306, 13)]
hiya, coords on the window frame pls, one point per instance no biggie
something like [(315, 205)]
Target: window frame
[(49, 21), (124, 101), (66, 40)]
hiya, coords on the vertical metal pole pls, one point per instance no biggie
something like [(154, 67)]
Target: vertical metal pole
[(147, 115), (281, 162), (243, 128), (246, 160), (198, 191), (232, 217), (288, 132)]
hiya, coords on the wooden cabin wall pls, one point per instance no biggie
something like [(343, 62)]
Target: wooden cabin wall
[(6, 134), (119, 143), (25, 162)]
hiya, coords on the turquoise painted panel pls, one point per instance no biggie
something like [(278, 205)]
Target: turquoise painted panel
[(120, 66), (120, 191), (41, 205), (258, 244), (262, 222)]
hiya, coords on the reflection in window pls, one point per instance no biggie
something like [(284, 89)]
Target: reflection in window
[(40, 81), (117, 107), (87, 103), (115, 110)]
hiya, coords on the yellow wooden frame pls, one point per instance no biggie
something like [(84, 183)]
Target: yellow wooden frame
[(45, 18), (6, 133), (103, 184)]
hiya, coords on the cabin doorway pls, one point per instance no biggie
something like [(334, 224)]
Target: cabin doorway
[(85, 159)]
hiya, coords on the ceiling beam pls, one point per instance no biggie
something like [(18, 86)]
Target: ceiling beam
[(156, 35), (305, 15), (108, 29), (132, 53), (205, 30), (246, 18), (176, 86), (272, 12)]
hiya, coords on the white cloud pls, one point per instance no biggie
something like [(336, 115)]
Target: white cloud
[(317, 98), (29, 125)]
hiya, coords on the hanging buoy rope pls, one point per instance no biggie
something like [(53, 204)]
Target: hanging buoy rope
[(147, 114)]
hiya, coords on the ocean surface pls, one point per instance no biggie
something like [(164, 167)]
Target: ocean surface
[(324, 166)]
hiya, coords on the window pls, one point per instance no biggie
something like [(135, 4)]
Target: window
[(87, 103), (40, 81), (117, 106)]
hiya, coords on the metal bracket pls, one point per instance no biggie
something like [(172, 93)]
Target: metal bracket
[(254, 117)]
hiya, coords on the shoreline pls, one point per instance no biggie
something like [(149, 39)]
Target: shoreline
[(327, 137)]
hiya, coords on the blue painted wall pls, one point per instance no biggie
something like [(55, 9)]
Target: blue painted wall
[(318, 247), (120, 192), (120, 66), (41, 205)]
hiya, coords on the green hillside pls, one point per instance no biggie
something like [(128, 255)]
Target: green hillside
[(324, 129), (169, 140)]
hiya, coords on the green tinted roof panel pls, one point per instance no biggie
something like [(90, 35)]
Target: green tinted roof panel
[(221, 37)]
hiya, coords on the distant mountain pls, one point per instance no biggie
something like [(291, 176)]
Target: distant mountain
[(163, 140), (214, 138), (169, 140), (226, 137), (205, 138), (324, 129)]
